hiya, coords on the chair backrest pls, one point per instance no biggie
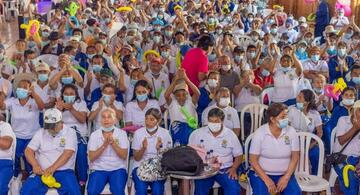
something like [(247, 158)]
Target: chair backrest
[(332, 140), (267, 91), (247, 147), (305, 139), (256, 112)]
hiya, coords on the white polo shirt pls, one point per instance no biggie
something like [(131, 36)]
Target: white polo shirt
[(302, 122), (134, 114), (6, 130), (226, 145), (45, 93), (48, 148), (118, 106), (129, 93), (70, 120), (244, 98), (343, 126), (150, 151), (339, 22), (274, 153), (231, 120), (175, 113), (285, 85), (108, 160), (24, 119), (160, 83), (321, 65)]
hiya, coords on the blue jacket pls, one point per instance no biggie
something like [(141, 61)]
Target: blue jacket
[(334, 69)]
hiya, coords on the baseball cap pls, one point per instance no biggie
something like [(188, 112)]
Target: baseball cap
[(42, 66), (51, 117)]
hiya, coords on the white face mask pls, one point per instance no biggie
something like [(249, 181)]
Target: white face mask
[(224, 102), (214, 127), (226, 67), (152, 129), (212, 82)]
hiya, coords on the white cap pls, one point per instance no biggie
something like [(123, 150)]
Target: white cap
[(302, 19), (52, 116)]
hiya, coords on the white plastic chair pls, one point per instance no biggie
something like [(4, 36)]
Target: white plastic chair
[(13, 179), (333, 175), (11, 6), (2, 13), (267, 91), (307, 182), (166, 117), (256, 112)]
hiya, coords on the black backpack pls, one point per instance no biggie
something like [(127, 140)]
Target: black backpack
[(182, 160)]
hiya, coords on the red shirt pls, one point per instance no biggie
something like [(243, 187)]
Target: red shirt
[(261, 80), (195, 62)]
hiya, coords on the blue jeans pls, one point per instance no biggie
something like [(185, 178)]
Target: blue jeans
[(314, 154), (157, 187), (82, 162), (21, 144), (6, 173), (259, 188), (180, 132), (230, 186), (69, 185), (353, 187), (290, 102), (98, 179)]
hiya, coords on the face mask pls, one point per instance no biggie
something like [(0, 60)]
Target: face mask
[(31, 44), (224, 102), (69, 99), (348, 102), (157, 28), (107, 20), (154, 73), (103, 41), (151, 130), (142, 97), (157, 39), (226, 67), (239, 58), (211, 21), (168, 33), (342, 52), (265, 72), (218, 31), (331, 51), (251, 19), (45, 34), (301, 50), (214, 127), (348, 35), (90, 56), (286, 69), (283, 123), (96, 68), (211, 57), (252, 55), (254, 38), (43, 77), (341, 14), (273, 31), (108, 129), (212, 83), (300, 105), (164, 54), (318, 90), (315, 58), (133, 82), (107, 99), (22, 93), (161, 17), (356, 80), (66, 80)]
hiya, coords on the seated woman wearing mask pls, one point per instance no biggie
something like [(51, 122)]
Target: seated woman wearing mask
[(286, 79), (7, 145), (147, 142), (108, 152), (274, 153), (347, 129)]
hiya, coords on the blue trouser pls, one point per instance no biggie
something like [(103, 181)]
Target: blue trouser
[(98, 179), (259, 187), (314, 155), (290, 102), (247, 124), (41, 119), (82, 162), (229, 186), (327, 136), (69, 185), (180, 132), (21, 144), (6, 173), (353, 187), (157, 187)]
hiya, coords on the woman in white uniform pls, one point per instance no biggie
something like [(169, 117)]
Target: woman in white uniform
[(108, 152), (274, 153), (74, 113), (147, 142), (7, 139), (305, 117)]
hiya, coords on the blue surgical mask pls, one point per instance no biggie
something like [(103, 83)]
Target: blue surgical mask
[(238, 58), (356, 80), (133, 82), (67, 80), (108, 129), (43, 77), (301, 50), (157, 28), (96, 68), (285, 69), (45, 34), (69, 99), (348, 35), (315, 58), (331, 51), (31, 44), (273, 31), (72, 58), (211, 57), (283, 123), (300, 105), (318, 90), (168, 33), (265, 72), (142, 97), (157, 39), (252, 55), (342, 52), (164, 54), (22, 93), (348, 102), (107, 99)]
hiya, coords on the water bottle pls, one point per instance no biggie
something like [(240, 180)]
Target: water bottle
[(177, 144), (211, 158), (207, 161)]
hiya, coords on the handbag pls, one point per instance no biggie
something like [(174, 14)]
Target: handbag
[(338, 157)]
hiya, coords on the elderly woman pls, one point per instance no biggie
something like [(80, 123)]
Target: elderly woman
[(108, 152), (274, 153)]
